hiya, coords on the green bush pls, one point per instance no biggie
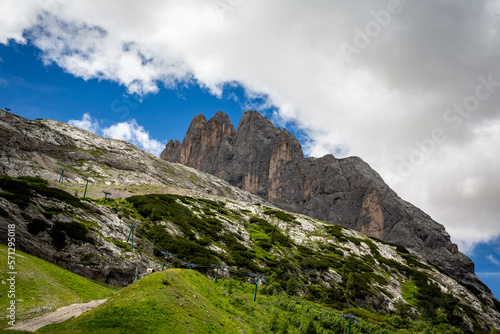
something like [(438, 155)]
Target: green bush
[(402, 249), (21, 200), (274, 233), (3, 212), (185, 249), (121, 244), (15, 186), (74, 229), (50, 211), (264, 244), (162, 206), (21, 189), (34, 180), (36, 226), (280, 214), (239, 255), (336, 231), (58, 238)]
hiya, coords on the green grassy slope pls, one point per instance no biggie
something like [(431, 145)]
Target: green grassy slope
[(42, 287), (184, 301)]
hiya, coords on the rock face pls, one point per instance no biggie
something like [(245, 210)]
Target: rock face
[(263, 159)]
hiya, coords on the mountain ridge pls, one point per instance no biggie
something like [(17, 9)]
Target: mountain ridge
[(267, 161)]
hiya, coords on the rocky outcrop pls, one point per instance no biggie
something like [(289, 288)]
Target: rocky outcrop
[(265, 160)]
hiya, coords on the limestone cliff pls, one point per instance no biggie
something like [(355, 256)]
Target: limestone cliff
[(263, 159)]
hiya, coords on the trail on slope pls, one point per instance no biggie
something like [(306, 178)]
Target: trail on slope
[(59, 315)]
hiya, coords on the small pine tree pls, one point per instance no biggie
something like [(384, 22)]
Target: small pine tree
[(310, 328)]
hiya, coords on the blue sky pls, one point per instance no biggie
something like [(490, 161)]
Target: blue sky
[(403, 87), (34, 90)]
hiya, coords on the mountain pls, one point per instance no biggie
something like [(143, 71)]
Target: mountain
[(205, 222), (265, 160)]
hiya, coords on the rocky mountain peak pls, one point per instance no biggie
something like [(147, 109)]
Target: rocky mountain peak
[(263, 159)]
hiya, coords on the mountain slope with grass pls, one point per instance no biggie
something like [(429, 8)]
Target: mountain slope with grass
[(41, 287), (184, 301), (328, 264), (167, 215)]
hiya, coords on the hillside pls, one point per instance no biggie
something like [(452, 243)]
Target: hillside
[(42, 287), (184, 301), (204, 222), (333, 265)]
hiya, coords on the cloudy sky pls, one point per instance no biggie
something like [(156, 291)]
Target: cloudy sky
[(412, 87)]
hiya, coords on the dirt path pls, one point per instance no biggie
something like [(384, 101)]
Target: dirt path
[(59, 315)]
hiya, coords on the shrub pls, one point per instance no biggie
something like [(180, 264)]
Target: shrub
[(121, 244), (265, 244), (280, 214), (21, 189), (3, 212), (58, 238), (21, 200), (188, 250), (33, 180), (161, 206), (336, 231), (50, 211), (36, 226), (275, 235), (15, 186), (402, 249), (75, 230)]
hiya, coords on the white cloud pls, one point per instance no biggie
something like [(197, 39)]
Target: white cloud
[(87, 123), (493, 260), (132, 132), (129, 131), (384, 104)]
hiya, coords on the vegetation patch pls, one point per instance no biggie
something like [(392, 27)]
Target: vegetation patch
[(186, 249), (336, 231), (20, 191), (280, 215), (36, 226), (274, 234), (4, 213), (50, 211), (239, 255), (121, 244), (166, 207), (74, 230)]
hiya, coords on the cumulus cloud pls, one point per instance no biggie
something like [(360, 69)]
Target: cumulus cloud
[(132, 132), (87, 123), (129, 131), (399, 83)]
